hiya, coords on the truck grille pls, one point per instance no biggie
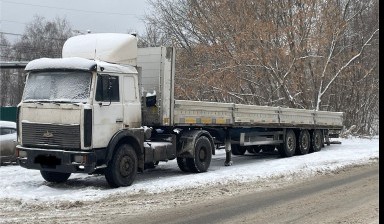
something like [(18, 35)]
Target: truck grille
[(51, 135)]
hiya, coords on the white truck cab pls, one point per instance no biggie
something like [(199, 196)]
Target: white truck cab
[(72, 107)]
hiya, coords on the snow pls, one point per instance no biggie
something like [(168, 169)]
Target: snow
[(61, 63), (110, 47), (77, 63), (28, 185)]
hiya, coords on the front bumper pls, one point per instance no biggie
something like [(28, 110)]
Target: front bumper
[(56, 160)]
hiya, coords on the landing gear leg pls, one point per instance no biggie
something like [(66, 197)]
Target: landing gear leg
[(228, 153)]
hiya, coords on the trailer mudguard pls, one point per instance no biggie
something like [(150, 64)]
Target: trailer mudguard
[(187, 142)]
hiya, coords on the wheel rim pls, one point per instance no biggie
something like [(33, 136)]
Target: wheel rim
[(202, 154), (290, 143), (305, 141), (125, 166), (317, 140)]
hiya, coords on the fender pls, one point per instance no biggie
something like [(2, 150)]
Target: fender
[(133, 136), (188, 140)]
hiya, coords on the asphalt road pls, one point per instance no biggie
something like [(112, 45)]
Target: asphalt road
[(349, 196)]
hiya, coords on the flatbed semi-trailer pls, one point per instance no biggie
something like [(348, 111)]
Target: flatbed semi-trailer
[(108, 107)]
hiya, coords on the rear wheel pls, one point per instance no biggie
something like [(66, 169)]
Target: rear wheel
[(54, 177), (202, 157), (122, 169), (289, 145), (253, 149), (317, 141), (238, 150), (182, 163), (303, 143)]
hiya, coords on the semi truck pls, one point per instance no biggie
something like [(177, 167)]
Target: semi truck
[(108, 107)]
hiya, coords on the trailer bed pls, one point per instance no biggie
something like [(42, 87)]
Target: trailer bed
[(200, 113), (157, 66)]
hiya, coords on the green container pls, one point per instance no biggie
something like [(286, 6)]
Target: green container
[(8, 113)]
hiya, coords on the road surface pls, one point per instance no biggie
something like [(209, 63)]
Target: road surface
[(350, 195)]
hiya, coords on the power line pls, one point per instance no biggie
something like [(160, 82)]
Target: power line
[(78, 10), (14, 34), (12, 21)]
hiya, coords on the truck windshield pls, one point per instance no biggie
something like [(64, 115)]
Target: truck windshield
[(58, 86)]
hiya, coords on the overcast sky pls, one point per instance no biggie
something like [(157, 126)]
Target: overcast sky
[(98, 16)]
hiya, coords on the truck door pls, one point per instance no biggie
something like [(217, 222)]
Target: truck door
[(131, 102), (108, 109)]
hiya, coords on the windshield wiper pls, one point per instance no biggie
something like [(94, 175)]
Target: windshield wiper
[(63, 102), (33, 101)]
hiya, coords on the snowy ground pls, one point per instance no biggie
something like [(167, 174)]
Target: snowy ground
[(28, 186)]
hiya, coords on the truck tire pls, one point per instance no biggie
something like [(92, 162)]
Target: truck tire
[(182, 163), (203, 155), (289, 146), (122, 169), (316, 141), (253, 149), (238, 150), (54, 177), (303, 142)]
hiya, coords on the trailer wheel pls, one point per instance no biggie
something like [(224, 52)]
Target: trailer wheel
[(317, 141), (238, 150), (256, 148), (54, 177), (303, 143), (289, 145), (182, 163), (202, 157), (253, 149), (122, 169)]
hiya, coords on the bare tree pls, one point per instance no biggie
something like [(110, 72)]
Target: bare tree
[(286, 53), (42, 38)]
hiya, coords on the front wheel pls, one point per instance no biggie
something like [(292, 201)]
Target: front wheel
[(54, 177), (122, 169)]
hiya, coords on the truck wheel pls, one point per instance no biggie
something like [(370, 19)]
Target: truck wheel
[(316, 142), (182, 163), (303, 143), (55, 177), (253, 149), (238, 150), (256, 148), (122, 169), (289, 146), (202, 157)]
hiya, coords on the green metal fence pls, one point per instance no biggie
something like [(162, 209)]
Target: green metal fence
[(8, 114)]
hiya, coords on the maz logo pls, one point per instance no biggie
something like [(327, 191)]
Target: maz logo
[(48, 134)]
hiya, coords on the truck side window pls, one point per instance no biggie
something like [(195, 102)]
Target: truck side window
[(107, 88)]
